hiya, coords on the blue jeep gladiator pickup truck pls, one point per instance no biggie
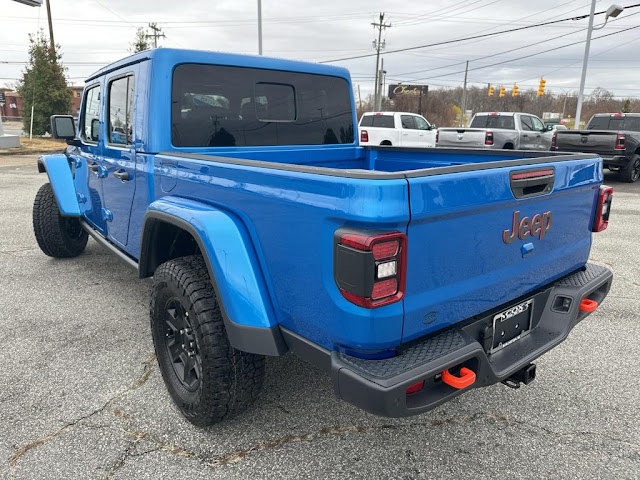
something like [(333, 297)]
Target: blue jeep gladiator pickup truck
[(237, 183)]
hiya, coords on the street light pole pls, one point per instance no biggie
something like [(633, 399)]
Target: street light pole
[(585, 61), (613, 11)]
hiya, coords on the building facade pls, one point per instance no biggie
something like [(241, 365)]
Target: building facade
[(12, 108)]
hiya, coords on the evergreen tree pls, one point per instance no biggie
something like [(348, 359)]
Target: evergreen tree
[(43, 85)]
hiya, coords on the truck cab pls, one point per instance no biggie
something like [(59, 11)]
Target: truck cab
[(402, 129)]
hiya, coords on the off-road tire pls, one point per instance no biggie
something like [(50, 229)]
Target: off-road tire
[(57, 236), (631, 172), (229, 380)]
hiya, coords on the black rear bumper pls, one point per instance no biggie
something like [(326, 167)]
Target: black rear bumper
[(379, 386), (615, 161)]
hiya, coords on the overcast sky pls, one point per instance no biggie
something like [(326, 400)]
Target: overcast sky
[(95, 32)]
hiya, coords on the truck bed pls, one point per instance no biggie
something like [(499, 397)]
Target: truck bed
[(453, 205)]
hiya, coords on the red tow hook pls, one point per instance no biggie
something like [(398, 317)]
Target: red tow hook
[(466, 378), (588, 305)]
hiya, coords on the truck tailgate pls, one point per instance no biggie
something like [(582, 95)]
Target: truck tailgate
[(597, 141), (462, 258), (461, 137)]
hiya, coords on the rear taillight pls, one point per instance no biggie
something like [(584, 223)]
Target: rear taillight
[(364, 136), (488, 138), (437, 136), (620, 139), (370, 270), (603, 208), (554, 139)]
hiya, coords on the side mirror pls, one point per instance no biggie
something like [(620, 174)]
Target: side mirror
[(433, 127), (95, 129), (548, 128), (63, 127)]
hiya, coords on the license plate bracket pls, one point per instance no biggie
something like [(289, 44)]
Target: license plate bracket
[(511, 325)]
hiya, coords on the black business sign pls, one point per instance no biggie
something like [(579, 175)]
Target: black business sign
[(404, 89)]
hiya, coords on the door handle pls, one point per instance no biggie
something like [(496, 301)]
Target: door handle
[(525, 136), (99, 170), (122, 175)]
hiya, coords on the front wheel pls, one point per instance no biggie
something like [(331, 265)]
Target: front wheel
[(57, 236), (631, 173), (207, 378)]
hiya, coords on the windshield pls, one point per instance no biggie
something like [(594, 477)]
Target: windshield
[(614, 123), (493, 121)]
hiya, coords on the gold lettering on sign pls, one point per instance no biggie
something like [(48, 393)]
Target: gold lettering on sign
[(406, 90)]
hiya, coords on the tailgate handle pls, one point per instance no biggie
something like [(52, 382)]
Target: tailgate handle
[(531, 183)]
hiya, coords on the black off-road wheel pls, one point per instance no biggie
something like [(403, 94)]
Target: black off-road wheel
[(631, 173), (57, 236), (207, 378)]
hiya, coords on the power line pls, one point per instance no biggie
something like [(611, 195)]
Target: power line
[(546, 40), (527, 56), (474, 37)]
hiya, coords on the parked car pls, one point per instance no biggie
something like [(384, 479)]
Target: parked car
[(400, 129), (507, 130), (409, 276), (613, 136)]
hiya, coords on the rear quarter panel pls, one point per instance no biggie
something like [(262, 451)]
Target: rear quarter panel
[(291, 218)]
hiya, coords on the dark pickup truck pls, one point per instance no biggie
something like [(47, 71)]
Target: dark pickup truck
[(613, 136)]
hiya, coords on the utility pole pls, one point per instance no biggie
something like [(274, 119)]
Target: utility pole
[(381, 80), (464, 94), (378, 45), (156, 33), (359, 98), (53, 43), (259, 27)]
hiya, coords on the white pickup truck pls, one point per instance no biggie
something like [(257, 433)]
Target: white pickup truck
[(400, 129)]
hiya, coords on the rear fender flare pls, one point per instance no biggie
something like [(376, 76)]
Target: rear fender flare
[(61, 178), (233, 267)]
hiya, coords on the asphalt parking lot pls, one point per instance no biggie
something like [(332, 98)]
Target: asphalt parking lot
[(81, 395)]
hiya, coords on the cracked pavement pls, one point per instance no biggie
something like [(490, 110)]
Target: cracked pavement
[(81, 395)]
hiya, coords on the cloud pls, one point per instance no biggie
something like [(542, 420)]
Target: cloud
[(96, 32)]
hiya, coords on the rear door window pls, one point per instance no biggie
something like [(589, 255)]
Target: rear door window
[(120, 114), (214, 106)]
